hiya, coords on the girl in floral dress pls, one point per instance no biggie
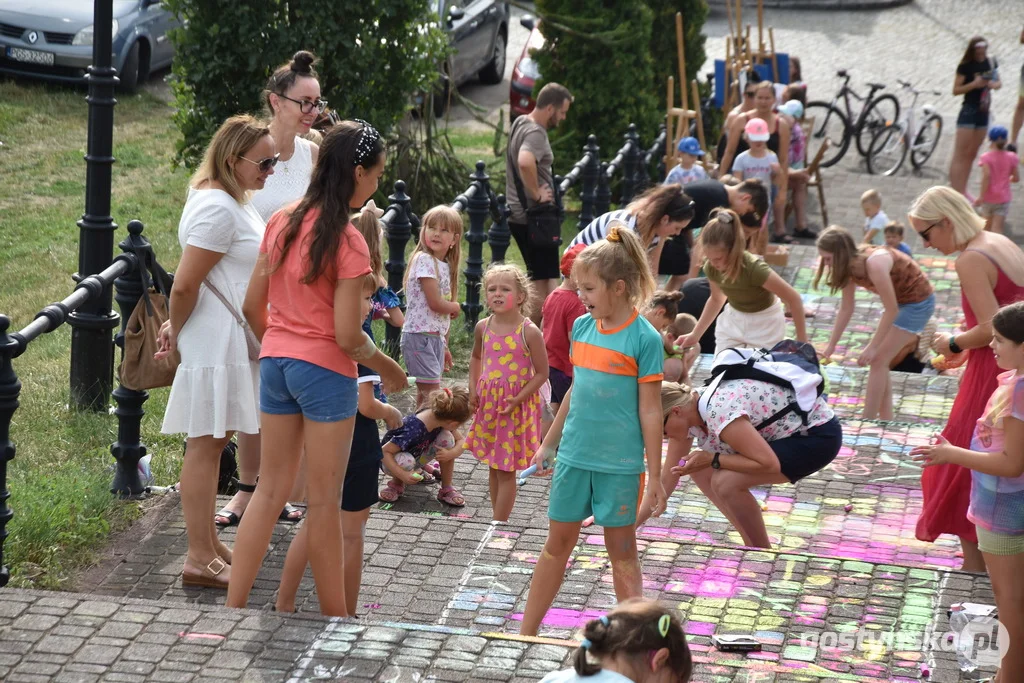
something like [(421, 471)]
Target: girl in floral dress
[(507, 370)]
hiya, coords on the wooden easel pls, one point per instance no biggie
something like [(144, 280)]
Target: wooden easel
[(680, 118)]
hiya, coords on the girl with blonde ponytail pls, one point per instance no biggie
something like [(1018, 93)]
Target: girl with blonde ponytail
[(747, 287), (608, 423)]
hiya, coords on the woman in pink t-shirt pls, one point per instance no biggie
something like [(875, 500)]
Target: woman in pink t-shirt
[(999, 169), (304, 303)]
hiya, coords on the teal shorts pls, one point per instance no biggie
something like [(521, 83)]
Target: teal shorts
[(576, 494)]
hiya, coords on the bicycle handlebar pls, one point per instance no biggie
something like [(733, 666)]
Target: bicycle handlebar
[(908, 86)]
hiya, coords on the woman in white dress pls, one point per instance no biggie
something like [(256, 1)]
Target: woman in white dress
[(292, 99), (216, 388)]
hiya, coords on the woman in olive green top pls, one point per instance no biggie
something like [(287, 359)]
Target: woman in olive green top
[(748, 288)]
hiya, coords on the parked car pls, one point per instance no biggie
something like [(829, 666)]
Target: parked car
[(478, 32), (525, 73), (52, 39)]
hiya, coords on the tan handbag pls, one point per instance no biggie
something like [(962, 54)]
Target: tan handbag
[(139, 369)]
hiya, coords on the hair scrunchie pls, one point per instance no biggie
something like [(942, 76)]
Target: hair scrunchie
[(614, 236)]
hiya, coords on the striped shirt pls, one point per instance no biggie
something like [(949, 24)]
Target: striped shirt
[(600, 226)]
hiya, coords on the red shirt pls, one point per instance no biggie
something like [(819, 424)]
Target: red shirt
[(300, 320), (560, 311)]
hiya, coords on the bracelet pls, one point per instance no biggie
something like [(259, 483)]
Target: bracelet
[(953, 346), (364, 351)]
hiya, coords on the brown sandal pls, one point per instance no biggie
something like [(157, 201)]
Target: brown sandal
[(207, 578)]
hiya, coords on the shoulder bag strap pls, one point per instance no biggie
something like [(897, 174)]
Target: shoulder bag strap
[(513, 165), (227, 305)]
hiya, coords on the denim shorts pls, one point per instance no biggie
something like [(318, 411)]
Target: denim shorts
[(988, 210), (290, 387), (913, 317), (971, 118)]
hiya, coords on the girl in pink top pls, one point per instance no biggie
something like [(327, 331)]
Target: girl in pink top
[(999, 169), (303, 301)]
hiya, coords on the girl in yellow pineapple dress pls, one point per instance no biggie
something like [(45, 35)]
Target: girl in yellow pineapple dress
[(508, 368)]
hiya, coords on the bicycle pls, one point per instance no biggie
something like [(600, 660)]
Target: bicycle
[(839, 127), (889, 145)]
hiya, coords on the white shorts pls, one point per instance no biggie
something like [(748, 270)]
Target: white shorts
[(761, 330)]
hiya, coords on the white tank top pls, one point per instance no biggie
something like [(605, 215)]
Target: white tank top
[(288, 183)]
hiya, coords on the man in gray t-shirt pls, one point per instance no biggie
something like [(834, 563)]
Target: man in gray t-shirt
[(529, 148)]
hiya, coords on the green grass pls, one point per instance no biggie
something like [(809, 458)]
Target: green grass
[(60, 477)]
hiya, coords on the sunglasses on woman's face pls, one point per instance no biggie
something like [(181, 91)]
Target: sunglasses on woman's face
[(264, 164), (924, 233), (749, 93)]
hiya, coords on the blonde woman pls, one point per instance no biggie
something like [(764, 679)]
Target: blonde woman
[(216, 389), (991, 272)]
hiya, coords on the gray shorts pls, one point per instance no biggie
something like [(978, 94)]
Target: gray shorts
[(988, 210), (424, 356)]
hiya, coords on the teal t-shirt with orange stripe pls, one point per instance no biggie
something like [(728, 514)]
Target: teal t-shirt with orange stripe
[(602, 430)]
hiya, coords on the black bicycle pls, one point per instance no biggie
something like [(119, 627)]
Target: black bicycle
[(841, 126)]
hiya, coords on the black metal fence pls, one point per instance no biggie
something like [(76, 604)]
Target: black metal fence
[(594, 178), (127, 274)]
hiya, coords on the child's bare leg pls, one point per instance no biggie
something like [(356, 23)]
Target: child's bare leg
[(548, 574), (492, 488), (423, 390), (620, 542), (353, 531), (997, 223), (295, 563), (505, 500)]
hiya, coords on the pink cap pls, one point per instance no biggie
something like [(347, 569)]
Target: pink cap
[(757, 130)]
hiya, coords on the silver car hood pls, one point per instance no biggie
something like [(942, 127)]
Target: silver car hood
[(64, 16)]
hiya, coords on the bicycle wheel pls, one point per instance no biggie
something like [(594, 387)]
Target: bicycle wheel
[(926, 141), (882, 111), (887, 150), (829, 123)]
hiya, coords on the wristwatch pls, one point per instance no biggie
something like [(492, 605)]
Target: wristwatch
[(715, 464), (953, 346)]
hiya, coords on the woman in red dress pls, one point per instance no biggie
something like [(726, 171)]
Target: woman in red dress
[(991, 272)]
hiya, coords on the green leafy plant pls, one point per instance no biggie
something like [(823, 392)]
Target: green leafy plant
[(601, 52), (375, 57), (664, 51)]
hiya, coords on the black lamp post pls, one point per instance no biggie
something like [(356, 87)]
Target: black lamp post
[(92, 346)]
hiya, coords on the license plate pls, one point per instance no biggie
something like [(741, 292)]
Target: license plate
[(30, 56)]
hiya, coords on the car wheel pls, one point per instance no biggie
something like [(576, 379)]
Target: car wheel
[(494, 72), (130, 71)]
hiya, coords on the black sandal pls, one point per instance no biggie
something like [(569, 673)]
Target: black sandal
[(233, 517)]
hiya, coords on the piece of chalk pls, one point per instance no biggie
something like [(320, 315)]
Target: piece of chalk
[(525, 474), (925, 671), (848, 507), (412, 381), (764, 506)]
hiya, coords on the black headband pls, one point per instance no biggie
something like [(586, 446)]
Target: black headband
[(366, 147)]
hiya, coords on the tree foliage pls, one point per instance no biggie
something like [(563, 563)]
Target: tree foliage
[(614, 57), (374, 57)]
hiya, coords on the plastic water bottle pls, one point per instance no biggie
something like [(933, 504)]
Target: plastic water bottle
[(958, 622)]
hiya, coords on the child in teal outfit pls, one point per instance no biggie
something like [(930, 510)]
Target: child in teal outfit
[(608, 422)]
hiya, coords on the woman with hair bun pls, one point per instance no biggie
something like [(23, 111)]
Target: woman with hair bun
[(292, 98)]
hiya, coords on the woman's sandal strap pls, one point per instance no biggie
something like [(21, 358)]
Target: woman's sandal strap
[(245, 488)]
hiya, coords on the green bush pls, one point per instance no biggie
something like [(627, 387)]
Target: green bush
[(663, 42), (601, 52), (374, 57)]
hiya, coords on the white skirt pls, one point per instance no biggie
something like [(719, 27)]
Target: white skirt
[(761, 330)]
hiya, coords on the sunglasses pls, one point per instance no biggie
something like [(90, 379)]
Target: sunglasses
[(749, 93), (924, 233), (306, 106), (264, 164)]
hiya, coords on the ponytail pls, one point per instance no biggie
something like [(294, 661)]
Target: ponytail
[(620, 256), (724, 231)]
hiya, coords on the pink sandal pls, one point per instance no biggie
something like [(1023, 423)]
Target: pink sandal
[(392, 492), (449, 496)]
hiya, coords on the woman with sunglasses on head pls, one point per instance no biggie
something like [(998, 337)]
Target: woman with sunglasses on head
[(292, 99), (216, 388), (977, 75), (991, 272)]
